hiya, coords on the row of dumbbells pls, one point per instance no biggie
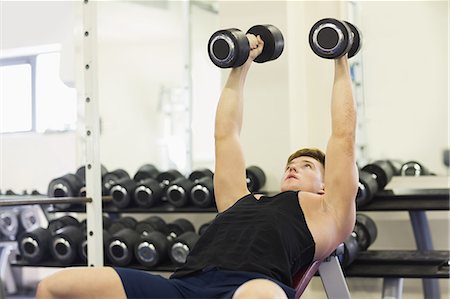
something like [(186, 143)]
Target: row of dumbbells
[(126, 241), (329, 38), (149, 187), (374, 177), (364, 234)]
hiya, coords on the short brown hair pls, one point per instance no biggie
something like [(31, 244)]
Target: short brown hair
[(314, 153)]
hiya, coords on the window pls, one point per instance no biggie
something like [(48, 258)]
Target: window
[(33, 98)]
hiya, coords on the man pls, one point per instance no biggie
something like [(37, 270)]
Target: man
[(256, 243)]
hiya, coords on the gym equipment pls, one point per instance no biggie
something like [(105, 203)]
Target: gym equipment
[(146, 171), (330, 38), (202, 193), (413, 168), (121, 192), (32, 217), (110, 179), (256, 178), (372, 178), (121, 223), (178, 227), (230, 47), (82, 249), (150, 224), (181, 247), (178, 192), (64, 244), (164, 178), (148, 193), (363, 235), (58, 223), (34, 245), (68, 185), (200, 173), (152, 249), (9, 223), (120, 247)]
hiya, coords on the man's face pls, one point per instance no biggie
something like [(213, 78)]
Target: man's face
[(304, 174)]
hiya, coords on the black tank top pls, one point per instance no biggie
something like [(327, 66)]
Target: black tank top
[(267, 236)]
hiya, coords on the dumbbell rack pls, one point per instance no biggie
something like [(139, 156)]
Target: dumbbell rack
[(430, 264)]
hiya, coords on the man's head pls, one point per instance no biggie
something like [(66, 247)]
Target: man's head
[(305, 171)]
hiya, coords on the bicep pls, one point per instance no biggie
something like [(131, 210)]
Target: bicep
[(229, 175)]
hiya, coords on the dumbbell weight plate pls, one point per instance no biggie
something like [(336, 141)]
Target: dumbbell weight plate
[(330, 38), (351, 250), (64, 244), (367, 188), (228, 48), (181, 247), (9, 223), (366, 231), (146, 171), (357, 40), (120, 247), (273, 42), (202, 194), (33, 245), (382, 170), (256, 178)]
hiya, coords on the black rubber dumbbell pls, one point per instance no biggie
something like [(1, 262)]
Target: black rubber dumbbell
[(61, 222), (256, 178), (34, 245), (372, 178), (230, 47), (364, 234), (414, 168), (150, 224), (330, 38), (68, 185), (65, 243), (178, 192), (178, 227), (110, 179), (202, 193), (121, 223), (152, 249), (181, 246), (120, 247), (166, 177), (148, 191), (125, 191), (83, 249)]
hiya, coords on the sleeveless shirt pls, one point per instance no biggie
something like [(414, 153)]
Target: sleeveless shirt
[(267, 236)]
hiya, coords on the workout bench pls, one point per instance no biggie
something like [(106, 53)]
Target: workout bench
[(330, 272)]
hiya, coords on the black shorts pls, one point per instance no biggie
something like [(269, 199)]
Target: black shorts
[(208, 283)]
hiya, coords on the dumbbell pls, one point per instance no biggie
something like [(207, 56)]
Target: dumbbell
[(372, 178), (152, 249), (150, 224), (34, 245), (178, 227), (65, 243), (256, 178), (120, 246), (413, 168), (121, 223), (330, 38), (68, 185), (32, 217), (202, 193), (364, 234), (230, 47), (181, 247), (110, 179), (125, 190), (178, 192)]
